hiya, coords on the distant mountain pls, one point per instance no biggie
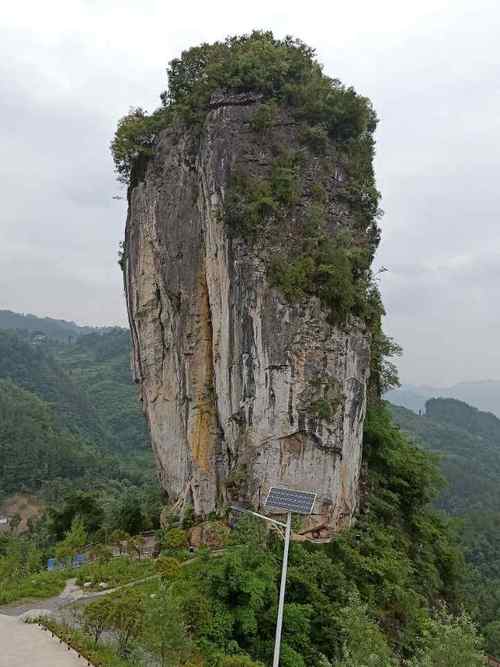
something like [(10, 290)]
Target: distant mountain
[(87, 382), (100, 364), (34, 449), (56, 329), (484, 395), (468, 442), (34, 369), (408, 397)]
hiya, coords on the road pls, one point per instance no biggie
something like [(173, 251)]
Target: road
[(24, 644)]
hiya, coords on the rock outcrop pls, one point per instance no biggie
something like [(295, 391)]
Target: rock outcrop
[(242, 388)]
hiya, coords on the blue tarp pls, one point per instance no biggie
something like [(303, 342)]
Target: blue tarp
[(78, 561)]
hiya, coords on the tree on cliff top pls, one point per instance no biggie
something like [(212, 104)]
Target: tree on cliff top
[(284, 70)]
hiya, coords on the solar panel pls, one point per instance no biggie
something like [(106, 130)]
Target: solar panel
[(301, 502)]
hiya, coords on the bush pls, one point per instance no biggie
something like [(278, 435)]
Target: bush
[(175, 538), (135, 137), (333, 269), (95, 617), (364, 644), (264, 117), (316, 137), (449, 641), (239, 661), (167, 567), (125, 616)]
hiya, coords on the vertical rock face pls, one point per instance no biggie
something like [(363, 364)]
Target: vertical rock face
[(242, 389)]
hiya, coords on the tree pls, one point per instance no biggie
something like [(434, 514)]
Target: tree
[(449, 641), (95, 617), (364, 644), (14, 522), (129, 516), (239, 661), (175, 539), (135, 546), (101, 553), (492, 635), (166, 632), (74, 540), (119, 536), (84, 505), (126, 617)]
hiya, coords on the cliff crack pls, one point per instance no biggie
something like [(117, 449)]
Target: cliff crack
[(162, 326)]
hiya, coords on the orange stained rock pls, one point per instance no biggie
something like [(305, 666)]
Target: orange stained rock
[(203, 432)]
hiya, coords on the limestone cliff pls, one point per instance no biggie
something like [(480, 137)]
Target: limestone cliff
[(243, 387)]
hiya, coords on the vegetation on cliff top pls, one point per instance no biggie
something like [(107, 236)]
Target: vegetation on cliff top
[(283, 70)]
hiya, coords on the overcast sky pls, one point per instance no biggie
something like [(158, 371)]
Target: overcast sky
[(69, 69)]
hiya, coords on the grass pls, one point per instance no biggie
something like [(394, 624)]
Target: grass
[(40, 585), (116, 572), (44, 585)]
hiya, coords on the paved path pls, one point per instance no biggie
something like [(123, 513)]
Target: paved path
[(23, 644)]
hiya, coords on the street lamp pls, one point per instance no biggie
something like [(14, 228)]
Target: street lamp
[(300, 502)]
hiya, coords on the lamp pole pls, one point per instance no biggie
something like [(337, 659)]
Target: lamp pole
[(290, 501), (279, 622)]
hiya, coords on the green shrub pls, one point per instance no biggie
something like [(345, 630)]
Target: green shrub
[(248, 203), (323, 408), (294, 278), (449, 641), (316, 137), (364, 644), (175, 538), (284, 182), (167, 567), (239, 661), (135, 137), (333, 269), (264, 117)]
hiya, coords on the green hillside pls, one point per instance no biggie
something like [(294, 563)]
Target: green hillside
[(88, 383), (99, 363), (35, 451), (56, 329), (70, 414), (32, 447), (468, 442), (34, 368)]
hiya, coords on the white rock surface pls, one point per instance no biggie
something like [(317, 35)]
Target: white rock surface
[(230, 374)]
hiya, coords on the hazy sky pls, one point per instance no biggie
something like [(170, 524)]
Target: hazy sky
[(69, 69)]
